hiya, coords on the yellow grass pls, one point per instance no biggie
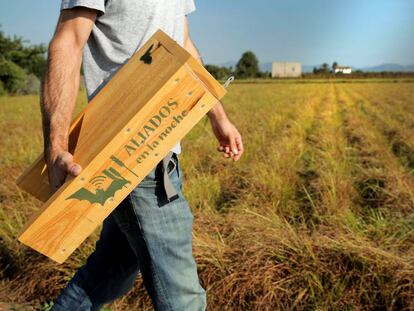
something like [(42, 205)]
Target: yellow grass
[(317, 215)]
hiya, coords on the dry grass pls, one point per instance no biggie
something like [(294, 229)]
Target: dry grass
[(318, 214)]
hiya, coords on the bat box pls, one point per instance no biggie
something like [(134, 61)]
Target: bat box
[(146, 108)]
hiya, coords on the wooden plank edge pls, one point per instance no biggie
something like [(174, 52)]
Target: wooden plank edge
[(213, 86)]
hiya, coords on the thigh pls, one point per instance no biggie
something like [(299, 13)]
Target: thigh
[(112, 254), (109, 272), (166, 230)]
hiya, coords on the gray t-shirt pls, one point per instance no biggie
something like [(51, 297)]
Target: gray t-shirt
[(121, 28)]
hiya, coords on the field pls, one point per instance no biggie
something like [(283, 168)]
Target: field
[(317, 215)]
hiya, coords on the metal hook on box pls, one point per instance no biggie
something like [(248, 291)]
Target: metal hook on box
[(229, 80)]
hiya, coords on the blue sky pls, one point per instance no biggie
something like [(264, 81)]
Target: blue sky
[(352, 32)]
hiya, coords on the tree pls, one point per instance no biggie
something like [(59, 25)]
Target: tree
[(12, 76), (30, 58), (17, 60), (32, 85), (219, 73), (248, 66), (322, 70), (334, 66), (325, 68)]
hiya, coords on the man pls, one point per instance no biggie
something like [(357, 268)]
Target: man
[(147, 232)]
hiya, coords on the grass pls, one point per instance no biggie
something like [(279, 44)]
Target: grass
[(317, 215), (306, 80)]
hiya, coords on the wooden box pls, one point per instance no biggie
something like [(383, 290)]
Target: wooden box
[(149, 105)]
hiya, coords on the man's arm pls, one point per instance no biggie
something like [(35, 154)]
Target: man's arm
[(59, 90), (230, 141)]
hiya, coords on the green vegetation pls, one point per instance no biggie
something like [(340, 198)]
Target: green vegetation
[(220, 73), (317, 215), (21, 65), (324, 69), (12, 76), (246, 68)]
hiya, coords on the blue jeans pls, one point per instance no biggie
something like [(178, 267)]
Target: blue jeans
[(145, 234)]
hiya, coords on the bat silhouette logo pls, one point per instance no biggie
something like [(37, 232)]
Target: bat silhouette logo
[(100, 196)]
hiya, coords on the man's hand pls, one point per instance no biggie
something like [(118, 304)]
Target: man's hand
[(59, 166), (229, 138)]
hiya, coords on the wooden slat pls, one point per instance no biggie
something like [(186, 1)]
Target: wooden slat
[(107, 140), (185, 58)]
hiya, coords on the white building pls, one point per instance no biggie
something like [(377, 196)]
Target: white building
[(343, 69), (286, 70)]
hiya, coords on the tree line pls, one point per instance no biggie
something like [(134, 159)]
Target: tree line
[(325, 69), (21, 65), (246, 68)]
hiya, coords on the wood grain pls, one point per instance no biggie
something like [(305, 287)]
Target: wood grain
[(122, 134)]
